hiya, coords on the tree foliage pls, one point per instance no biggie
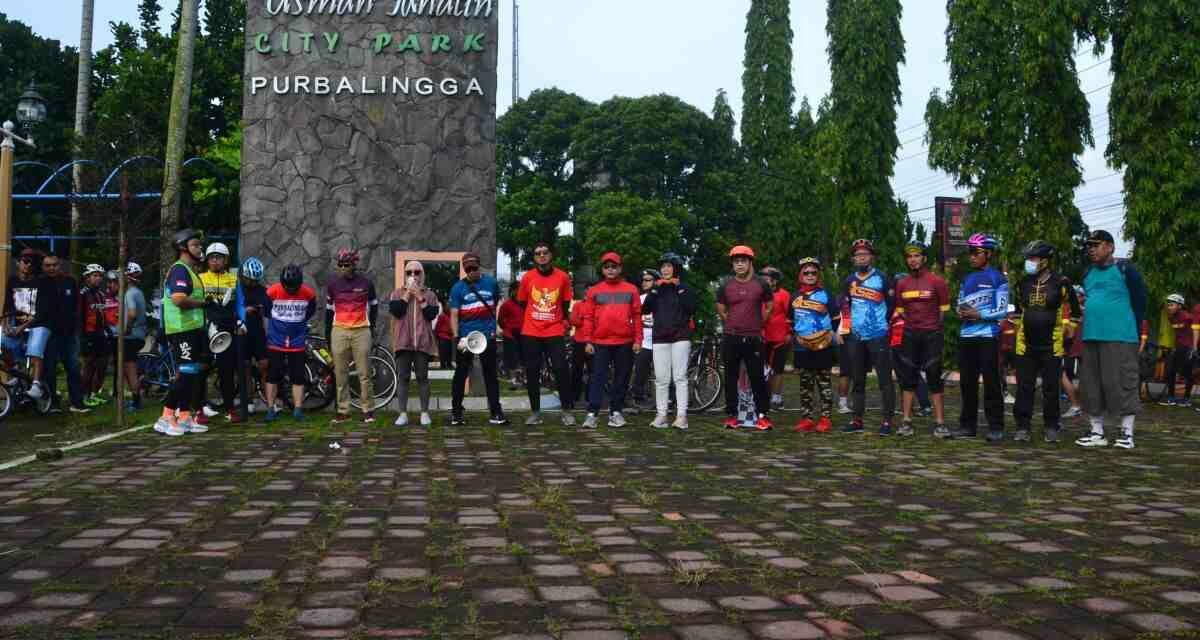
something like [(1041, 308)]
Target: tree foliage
[(1014, 121), (1154, 111), (25, 57), (767, 90), (638, 229)]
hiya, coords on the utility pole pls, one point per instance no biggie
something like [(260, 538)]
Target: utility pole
[(516, 61)]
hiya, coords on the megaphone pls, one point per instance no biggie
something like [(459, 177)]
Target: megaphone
[(476, 342), (218, 341)]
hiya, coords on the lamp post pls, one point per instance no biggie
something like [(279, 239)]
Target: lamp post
[(31, 110)]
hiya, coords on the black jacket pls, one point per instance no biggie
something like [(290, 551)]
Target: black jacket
[(672, 306), (64, 314)]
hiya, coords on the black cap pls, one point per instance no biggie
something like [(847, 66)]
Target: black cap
[(1100, 235)]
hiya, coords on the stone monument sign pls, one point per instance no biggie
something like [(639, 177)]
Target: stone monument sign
[(368, 124)]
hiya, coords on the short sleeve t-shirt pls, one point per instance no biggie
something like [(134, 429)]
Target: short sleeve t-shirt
[(179, 280), (287, 326), (135, 305), (546, 298), (779, 324), (476, 312), (351, 301), (922, 298), (744, 300)]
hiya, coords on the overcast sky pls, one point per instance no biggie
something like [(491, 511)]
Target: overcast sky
[(690, 49)]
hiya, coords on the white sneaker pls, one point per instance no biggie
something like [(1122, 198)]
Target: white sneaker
[(1073, 412), (844, 406), (590, 421), (249, 408), (161, 425), (209, 412), (191, 426), (1124, 442), (174, 430), (533, 419), (680, 423), (426, 419), (660, 422), (615, 419), (401, 420), (568, 418), (35, 390), (1093, 440), (1009, 399)]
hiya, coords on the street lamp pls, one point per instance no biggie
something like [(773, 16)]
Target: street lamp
[(31, 110)]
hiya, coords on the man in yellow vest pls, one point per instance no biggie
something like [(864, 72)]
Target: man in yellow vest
[(183, 322), (220, 284)]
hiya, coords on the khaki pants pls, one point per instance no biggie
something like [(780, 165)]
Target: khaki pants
[(346, 345)]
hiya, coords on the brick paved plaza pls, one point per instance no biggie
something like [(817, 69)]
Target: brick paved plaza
[(563, 533)]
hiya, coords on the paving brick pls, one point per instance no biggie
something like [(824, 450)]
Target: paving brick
[(560, 594), (711, 632)]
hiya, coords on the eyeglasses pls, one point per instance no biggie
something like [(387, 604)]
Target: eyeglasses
[(413, 273), (543, 252), (471, 268)]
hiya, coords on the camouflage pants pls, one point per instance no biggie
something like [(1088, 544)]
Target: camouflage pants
[(820, 378)]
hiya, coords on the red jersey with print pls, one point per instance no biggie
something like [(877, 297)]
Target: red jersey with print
[(112, 309), (779, 326), (545, 298), (613, 315), (1181, 322), (287, 319), (351, 301), (922, 298)]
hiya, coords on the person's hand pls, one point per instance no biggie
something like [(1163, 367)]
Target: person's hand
[(968, 313), (1141, 348), (241, 328), (462, 344), (589, 349)]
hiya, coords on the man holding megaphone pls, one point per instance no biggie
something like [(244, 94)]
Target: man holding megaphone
[(473, 303)]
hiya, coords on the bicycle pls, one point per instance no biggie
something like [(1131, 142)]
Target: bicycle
[(383, 373), (15, 389), (704, 374)]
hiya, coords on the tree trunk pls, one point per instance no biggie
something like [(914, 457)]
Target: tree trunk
[(181, 94), (83, 106)]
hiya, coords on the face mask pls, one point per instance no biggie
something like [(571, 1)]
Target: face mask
[(1031, 267)]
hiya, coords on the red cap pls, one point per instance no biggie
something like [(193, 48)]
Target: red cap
[(611, 256)]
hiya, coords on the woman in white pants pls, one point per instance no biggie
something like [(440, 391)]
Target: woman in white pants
[(672, 304)]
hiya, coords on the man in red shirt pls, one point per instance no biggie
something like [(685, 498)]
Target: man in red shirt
[(1179, 361), (743, 302), (922, 297), (776, 333), (612, 322), (545, 291)]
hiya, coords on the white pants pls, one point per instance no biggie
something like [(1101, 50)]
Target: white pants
[(671, 363)]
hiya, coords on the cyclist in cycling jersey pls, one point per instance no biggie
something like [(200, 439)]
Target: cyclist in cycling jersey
[(290, 304), (982, 304), (814, 314), (95, 334), (218, 281), (183, 322), (1179, 360), (1042, 322), (135, 332), (867, 305), (922, 298), (253, 304)]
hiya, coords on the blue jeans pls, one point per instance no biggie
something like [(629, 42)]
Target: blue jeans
[(621, 357), (64, 349)]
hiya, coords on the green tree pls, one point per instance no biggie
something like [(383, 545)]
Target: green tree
[(857, 142), (177, 124), (1154, 116), (27, 57), (1014, 121), (767, 91), (638, 229)]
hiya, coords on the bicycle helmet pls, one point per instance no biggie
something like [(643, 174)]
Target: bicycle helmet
[(92, 268), (862, 243), (1039, 249), (252, 268), (111, 274), (809, 260), (742, 251), (983, 241), (347, 257), (1176, 298), (652, 273), (672, 258), (217, 249), (133, 269), (182, 237), (291, 278), (915, 246), (771, 272)]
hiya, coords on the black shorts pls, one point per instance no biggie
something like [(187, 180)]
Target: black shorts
[(289, 362), (921, 351), (133, 346), (775, 355), (94, 344), (189, 347), (254, 347)]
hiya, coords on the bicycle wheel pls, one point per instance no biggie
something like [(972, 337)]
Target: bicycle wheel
[(383, 381), (5, 401), (155, 373), (704, 384), (320, 390)]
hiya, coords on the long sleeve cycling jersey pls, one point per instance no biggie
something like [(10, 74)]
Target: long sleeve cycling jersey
[(986, 291)]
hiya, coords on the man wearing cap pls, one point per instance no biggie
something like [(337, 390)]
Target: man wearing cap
[(351, 308), (612, 321), (1116, 300), (922, 299), (546, 293), (473, 302), (27, 306), (64, 335), (1179, 361), (744, 302)]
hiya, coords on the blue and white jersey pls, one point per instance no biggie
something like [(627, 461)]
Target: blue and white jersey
[(811, 313), (869, 303), (986, 291)]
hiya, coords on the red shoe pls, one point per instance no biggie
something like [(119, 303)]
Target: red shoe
[(199, 418), (764, 424), (234, 418), (731, 423), (805, 426), (340, 418), (824, 425), (369, 417)]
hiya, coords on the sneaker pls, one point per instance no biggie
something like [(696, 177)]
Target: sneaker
[(680, 423), (940, 431), (200, 418), (174, 429), (209, 412), (1051, 435), (272, 415), (844, 406), (589, 422), (1009, 399), (994, 435), (234, 417), (191, 426), (568, 418), (925, 412), (961, 433), (250, 408), (369, 417), (1073, 412), (730, 423), (805, 426), (427, 420), (885, 429), (1124, 442), (91, 401), (824, 425), (457, 419), (1167, 402), (1092, 440), (130, 406), (660, 422), (298, 415), (855, 426), (615, 419), (764, 423), (533, 419), (161, 425), (776, 403), (498, 419), (401, 420), (75, 409), (1022, 435), (906, 429), (340, 418)]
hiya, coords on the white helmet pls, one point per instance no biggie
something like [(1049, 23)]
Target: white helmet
[(92, 268), (217, 249), (133, 269), (1176, 298), (112, 275)]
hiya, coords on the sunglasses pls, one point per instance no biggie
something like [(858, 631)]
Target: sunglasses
[(976, 252), (541, 253), (809, 273), (471, 268), (345, 265), (413, 273), (611, 266), (647, 279)]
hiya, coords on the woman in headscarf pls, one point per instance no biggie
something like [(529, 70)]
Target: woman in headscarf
[(413, 308)]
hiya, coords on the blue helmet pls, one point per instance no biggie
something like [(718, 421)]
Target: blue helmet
[(252, 268), (983, 241)]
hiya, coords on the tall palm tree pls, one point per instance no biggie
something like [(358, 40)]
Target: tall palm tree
[(83, 100), (181, 95)]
